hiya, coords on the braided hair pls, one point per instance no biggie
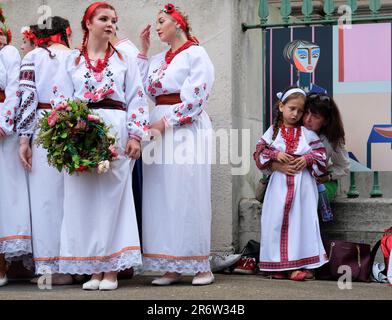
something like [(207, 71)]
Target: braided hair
[(59, 25)]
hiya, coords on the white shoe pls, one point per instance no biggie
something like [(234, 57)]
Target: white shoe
[(220, 262), (3, 281), (108, 285), (203, 280), (165, 281), (91, 285)]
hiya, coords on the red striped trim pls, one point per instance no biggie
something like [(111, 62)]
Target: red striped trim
[(15, 238), (284, 235), (309, 159), (89, 258), (341, 54), (164, 256), (289, 264), (314, 142), (142, 56)]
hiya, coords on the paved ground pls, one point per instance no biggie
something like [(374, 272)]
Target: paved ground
[(226, 287)]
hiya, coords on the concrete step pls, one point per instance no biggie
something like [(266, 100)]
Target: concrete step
[(357, 220)]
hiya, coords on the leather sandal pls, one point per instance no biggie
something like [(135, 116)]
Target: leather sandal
[(297, 275), (279, 275)]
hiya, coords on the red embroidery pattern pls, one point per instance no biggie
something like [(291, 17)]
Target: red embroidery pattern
[(291, 138), (289, 264), (284, 236), (170, 54)]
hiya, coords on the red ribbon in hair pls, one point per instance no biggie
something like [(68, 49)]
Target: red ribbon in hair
[(90, 10), (8, 34), (170, 9), (56, 38)]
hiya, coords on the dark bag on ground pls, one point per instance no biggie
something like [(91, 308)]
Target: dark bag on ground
[(358, 256), (262, 188)]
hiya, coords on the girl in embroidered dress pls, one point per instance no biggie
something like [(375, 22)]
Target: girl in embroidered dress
[(15, 229), (99, 232), (290, 234), (41, 69), (177, 212)]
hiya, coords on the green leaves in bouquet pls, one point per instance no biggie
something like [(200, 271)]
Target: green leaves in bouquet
[(73, 142)]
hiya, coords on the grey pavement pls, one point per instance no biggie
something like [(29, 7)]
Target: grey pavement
[(226, 287)]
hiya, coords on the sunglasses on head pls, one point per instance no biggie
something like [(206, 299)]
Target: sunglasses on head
[(321, 96)]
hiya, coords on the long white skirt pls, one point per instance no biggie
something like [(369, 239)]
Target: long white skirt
[(46, 202), (290, 232), (99, 230), (177, 198), (15, 226)]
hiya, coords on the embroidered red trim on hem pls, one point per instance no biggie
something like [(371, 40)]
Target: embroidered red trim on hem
[(289, 264)]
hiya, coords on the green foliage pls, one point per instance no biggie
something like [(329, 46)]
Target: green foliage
[(76, 139)]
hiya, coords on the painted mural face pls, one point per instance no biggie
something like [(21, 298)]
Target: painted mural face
[(306, 58)]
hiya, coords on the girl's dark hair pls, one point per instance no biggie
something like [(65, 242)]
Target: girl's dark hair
[(324, 106), (58, 25), (278, 119)]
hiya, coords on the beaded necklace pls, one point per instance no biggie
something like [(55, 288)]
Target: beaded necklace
[(291, 137), (100, 66), (170, 54)]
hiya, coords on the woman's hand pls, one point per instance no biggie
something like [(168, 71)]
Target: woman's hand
[(158, 128), (323, 179), (284, 157), (145, 40), (285, 168), (299, 163), (133, 149), (25, 154)]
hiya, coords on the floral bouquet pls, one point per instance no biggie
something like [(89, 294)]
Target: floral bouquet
[(76, 139)]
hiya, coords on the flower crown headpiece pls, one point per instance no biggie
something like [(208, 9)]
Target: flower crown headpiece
[(28, 34), (170, 9)]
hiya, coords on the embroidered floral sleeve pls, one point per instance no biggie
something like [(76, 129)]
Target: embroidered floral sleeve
[(137, 107), (195, 91), (316, 159), (265, 152), (27, 113), (11, 61), (143, 64)]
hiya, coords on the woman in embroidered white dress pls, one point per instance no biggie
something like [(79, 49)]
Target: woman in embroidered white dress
[(177, 210), (15, 229), (99, 232), (41, 69), (290, 233)]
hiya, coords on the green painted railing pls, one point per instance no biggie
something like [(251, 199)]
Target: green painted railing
[(307, 10), (329, 9)]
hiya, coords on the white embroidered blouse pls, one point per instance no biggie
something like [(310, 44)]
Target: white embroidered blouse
[(190, 73), (39, 74), (9, 83), (120, 81)]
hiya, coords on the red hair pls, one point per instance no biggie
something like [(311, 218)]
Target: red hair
[(89, 14)]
